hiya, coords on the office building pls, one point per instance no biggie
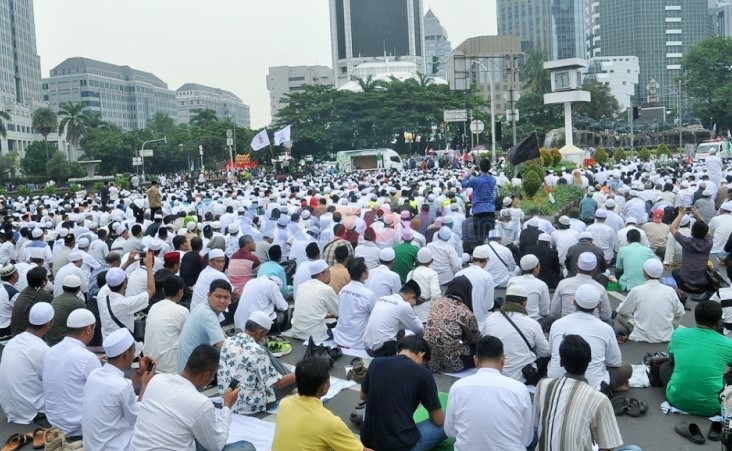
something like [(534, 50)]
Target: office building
[(437, 48), (363, 30), (720, 14), (619, 73), (568, 24), (118, 94), (498, 54), (531, 20), (658, 32), (193, 97), (283, 80), (20, 74)]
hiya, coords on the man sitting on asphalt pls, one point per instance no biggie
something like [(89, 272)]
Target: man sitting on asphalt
[(355, 304), (390, 316), (262, 294), (164, 324), (63, 305), (482, 282), (537, 289), (630, 261), (382, 280), (563, 300), (315, 301)]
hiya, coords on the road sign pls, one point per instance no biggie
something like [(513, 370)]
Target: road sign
[(507, 96), (455, 115), (136, 161), (146, 153), (229, 141), (229, 133), (477, 126), (510, 115)]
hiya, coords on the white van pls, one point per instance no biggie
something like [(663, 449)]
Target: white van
[(368, 159), (704, 149)]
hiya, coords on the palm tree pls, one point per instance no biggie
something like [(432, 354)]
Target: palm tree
[(73, 122), (204, 118), (533, 74), (369, 84), (45, 121)]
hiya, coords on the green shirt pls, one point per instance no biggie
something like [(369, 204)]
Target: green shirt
[(406, 255), (63, 305), (631, 259), (701, 356)]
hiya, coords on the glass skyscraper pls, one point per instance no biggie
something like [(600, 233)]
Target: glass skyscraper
[(531, 20), (568, 22)]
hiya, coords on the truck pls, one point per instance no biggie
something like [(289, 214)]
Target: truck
[(368, 159)]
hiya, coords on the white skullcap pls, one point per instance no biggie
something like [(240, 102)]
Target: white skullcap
[(261, 318), (585, 236), (482, 252), (587, 296), (181, 232), (36, 233), (41, 313), (76, 256), (118, 342), (727, 206), (516, 291), (216, 225), (121, 229), (72, 281), (507, 201), (387, 254), (706, 193), (564, 220), (63, 233), (601, 214), (317, 267), (79, 318), (83, 242), (610, 203), (191, 226), (684, 221), (587, 261), (529, 262), (653, 267), (424, 255), (115, 277), (233, 228), (494, 234), (631, 220), (215, 253), (533, 222), (305, 214), (633, 193), (268, 233), (445, 233), (545, 237), (155, 245)]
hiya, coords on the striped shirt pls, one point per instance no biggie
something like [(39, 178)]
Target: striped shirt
[(570, 415)]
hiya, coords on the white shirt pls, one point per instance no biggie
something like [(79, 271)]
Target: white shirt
[(302, 275), (124, 309), (6, 306), (602, 341), (720, 227), (489, 411), (164, 322), (21, 381), (445, 261), (429, 284), (518, 355), (370, 253), (383, 281), (200, 290), (562, 240), (538, 302), (483, 290), (67, 270), (260, 294), (174, 416), (654, 308), (65, 370), (110, 410), (136, 282), (7, 252), (604, 237), (390, 314), (355, 303), (500, 270), (623, 237), (313, 301)]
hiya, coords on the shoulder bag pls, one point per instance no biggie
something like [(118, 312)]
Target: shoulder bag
[(499, 258), (139, 329), (532, 372)]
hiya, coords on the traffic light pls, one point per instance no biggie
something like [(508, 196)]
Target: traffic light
[(498, 131), (636, 112)]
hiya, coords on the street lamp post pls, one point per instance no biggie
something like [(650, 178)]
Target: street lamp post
[(493, 112), (142, 158), (200, 152), (679, 114)]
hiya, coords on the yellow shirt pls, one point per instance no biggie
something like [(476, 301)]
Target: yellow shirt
[(304, 424)]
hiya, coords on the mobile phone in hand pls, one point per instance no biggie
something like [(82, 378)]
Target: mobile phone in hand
[(149, 366), (234, 384)]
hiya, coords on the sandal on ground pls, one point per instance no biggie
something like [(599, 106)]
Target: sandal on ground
[(15, 442), (356, 416), (357, 372), (636, 408), (690, 431), (715, 431), (37, 437), (619, 405)]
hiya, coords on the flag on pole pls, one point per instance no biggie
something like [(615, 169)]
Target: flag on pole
[(527, 149), (260, 140), (282, 136)]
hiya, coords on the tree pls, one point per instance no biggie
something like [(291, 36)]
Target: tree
[(644, 154), (45, 121), (619, 154), (600, 156), (533, 75), (531, 183), (60, 169), (8, 164), (204, 118), (4, 117), (36, 157), (602, 106), (73, 122), (707, 79)]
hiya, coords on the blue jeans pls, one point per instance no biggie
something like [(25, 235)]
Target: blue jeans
[(237, 446), (430, 436)]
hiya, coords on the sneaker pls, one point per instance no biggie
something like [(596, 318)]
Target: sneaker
[(278, 346)]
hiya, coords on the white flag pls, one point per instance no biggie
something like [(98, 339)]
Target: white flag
[(260, 140), (282, 136)]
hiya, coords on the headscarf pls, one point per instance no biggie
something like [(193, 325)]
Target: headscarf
[(461, 289), (217, 242)]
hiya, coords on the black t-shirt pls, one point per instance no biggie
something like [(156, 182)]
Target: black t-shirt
[(395, 386)]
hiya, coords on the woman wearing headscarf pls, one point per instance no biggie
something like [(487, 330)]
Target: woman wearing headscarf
[(452, 330)]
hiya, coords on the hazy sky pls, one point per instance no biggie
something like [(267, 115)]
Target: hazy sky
[(227, 44)]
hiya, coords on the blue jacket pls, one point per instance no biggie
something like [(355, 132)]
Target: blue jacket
[(484, 192)]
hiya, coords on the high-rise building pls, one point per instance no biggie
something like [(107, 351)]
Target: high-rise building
[(569, 39), (363, 30), (118, 94), (531, 20), (720, 14), (658, 32), (193, 97), (437, 48), (283, 80), (20, 73), (619, 73)]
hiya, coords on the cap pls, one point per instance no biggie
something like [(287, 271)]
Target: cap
[(507, 201), (658, 215), (36, 233), (405, 214), (533, 222), (706, 193), (684, 221), (191, 226), (610, 203), (601, 214), (482, 252), (653, 267), (727, 206), (494, 234), (261, 319), (83, 243), (80, 317), (587, 261), (157, 216), (516, 293), (216, 253), (407, 234), (585, 236), (41, 313), (7, 270), (120, 229), (155, 245), (529, 262), (317, 267), (631, 220), (72, 281), (268, 233), (63, 233), (233, 228), (587, 296), (633, 193), (387, 254), (314, 230), (118, 342), (305, 214), (445, 233), (115, 277), (171, 257), (545, 237), (564, 220), (424, 255)]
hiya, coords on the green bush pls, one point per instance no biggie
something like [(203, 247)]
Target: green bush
[(662, 150), (74, 188), (50, 190), (644, 154), (3, 192), (24, 191), (600, 155), (98, 186), (620, 154), (532, 183), (556, 156)]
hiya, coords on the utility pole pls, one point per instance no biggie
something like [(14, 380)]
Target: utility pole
[(513, 74)]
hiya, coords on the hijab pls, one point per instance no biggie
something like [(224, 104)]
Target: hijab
[(461, 290)]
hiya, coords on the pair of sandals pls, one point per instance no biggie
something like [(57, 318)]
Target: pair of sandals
[(358, 371), (631, 407), (693, 432), (17, 441)]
